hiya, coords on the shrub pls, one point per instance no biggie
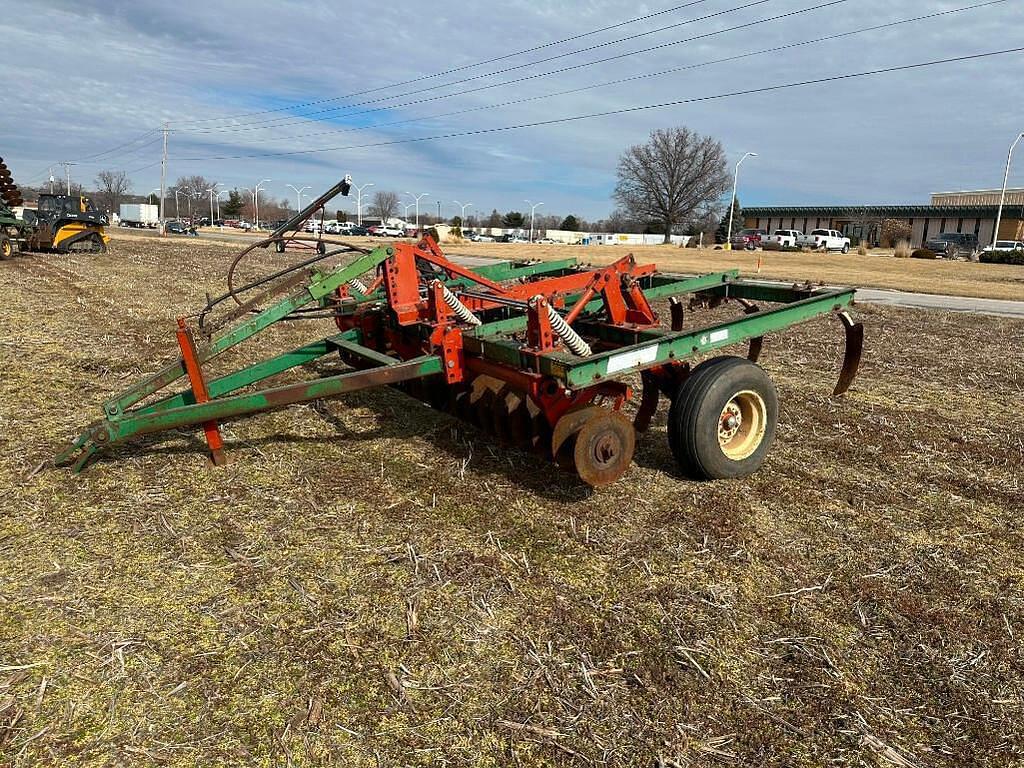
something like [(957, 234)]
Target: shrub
[(894, 231), (902, 250), (1003, 257), (862, 248), (923, 253)]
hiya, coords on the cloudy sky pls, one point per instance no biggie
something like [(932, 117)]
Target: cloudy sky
[(235, 80)]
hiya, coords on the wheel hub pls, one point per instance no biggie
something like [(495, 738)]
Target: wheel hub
[(742, 425)]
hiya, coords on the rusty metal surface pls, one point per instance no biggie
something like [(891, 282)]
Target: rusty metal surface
[(854, 350)]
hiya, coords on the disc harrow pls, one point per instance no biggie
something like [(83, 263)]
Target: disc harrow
[(543, 356)]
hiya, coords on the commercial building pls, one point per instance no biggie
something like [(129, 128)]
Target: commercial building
[(971, 211)]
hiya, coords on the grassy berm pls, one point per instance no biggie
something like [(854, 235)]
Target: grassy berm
[(369, 583)]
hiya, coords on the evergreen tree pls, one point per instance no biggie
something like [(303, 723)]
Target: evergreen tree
[(722, 235), (513, 220), (570, 224), (233, 205)]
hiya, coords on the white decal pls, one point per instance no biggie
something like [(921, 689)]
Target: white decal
[(632, 359), (721, 335)]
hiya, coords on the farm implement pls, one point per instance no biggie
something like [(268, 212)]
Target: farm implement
[(542, 355)]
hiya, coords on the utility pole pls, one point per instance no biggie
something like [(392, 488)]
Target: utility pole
[(1002, 197), (51, 179), (359, 202), (67, 172), (417, 199), (533, 208), (438, 214), (211, 190), (163, 181)]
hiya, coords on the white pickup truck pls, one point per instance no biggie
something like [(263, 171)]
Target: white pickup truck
[(782, 238), (825, 240)]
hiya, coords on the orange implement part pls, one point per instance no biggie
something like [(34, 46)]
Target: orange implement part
[(195, 376)]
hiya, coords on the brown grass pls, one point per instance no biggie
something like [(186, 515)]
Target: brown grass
[(369, 583)]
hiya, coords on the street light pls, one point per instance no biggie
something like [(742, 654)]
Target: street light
[(153, 192), (217, 198), (425, 194), (462, 218), (298, 196), (359, 202), (732, 202), (211, 191), (533, 207), (407, 207), (256, 200), (177, 213), (1002, 197)]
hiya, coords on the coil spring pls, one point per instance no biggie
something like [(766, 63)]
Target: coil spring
[(359, 285), (565, 332), (457, 306)]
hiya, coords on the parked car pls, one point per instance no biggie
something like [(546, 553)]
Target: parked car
[(783, 238), (953, 245), (356, 231), (177, 228), (481, 238), (825, 240), (382, 230), (748, 239), (547, 241), (1004, 245)]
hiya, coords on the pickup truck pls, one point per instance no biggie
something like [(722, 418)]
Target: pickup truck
[(953, 245), (782, 238), (748, 238), (825, 240)]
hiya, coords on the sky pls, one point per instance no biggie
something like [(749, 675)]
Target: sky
[(94, 83)]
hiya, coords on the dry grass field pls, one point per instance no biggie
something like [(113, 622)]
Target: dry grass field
[(877, 270), (369, 583)]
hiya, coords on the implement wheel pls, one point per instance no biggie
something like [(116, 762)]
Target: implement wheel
[(722, 421), (6, 247)]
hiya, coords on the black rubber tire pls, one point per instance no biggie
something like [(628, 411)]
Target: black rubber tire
[(321, 248), (846, 248), (6, 247), (279, 246), (693, 419)]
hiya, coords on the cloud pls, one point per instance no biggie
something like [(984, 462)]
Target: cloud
[(100, 74)]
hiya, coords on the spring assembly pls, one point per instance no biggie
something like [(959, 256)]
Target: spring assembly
[(457, 306), (565, 332)]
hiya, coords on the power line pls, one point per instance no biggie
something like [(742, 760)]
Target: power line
[(460, 68), (624, 110), (539, 75), (706, 17), (119, 146), (633, 78)]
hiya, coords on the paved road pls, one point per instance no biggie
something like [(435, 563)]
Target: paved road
[(999, 307)]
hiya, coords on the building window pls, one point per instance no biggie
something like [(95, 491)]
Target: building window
[(757, 223), (942, 226), (805, 224), (817, 223), (977, 227), (960, 226), (924, 236)]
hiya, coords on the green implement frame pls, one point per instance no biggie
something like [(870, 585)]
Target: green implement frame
[(146, 407)]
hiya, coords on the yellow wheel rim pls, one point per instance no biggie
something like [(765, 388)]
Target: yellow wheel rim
[(742, 425)]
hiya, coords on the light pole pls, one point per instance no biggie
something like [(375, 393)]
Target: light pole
[(1002, 197), (153, 192), (256, 200), (211, 190), (407, 207), (298, 196), (177, 212), (217, 198), (732, 202), (417, 198), (359, 202), (462, 218), (533, 207)]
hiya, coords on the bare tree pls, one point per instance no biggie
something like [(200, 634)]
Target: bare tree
[(111, 186), (384, 205), (194, 186), (675, 174)]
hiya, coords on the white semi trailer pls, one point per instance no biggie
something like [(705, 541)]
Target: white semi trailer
[(139, 215)]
